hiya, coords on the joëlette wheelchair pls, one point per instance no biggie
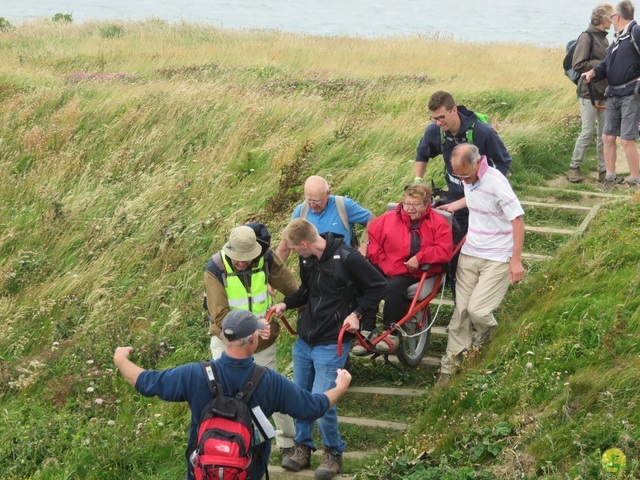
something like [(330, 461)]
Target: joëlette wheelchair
[(414, 328)]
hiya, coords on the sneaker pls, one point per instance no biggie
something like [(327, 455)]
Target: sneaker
[(573, 175), (286, 453), (358, 349), (298, 460), (388, 344), (330, 466)]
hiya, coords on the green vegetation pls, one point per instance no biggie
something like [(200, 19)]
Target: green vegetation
[(62, 17), (5, 25), (127, 152)]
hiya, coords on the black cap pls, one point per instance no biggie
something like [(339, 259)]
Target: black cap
[(239, 324)]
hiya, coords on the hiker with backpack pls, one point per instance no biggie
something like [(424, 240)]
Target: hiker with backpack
[(621, 68), (329, 213), (338, 285), (218, 436), (589, 50), (451, 125), (238, 277)]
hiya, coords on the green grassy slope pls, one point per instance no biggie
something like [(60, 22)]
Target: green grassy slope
[(128, 151)]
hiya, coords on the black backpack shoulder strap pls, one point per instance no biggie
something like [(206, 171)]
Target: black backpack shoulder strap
[(209, 371), (254, 379)]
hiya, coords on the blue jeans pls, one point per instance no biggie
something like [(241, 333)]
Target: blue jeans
[(315, 370)]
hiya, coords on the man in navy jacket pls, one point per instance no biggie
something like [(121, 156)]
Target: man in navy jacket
[(621, 68), (451, 125), (274, 393)]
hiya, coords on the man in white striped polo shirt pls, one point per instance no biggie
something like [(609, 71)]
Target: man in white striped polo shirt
[(490, 257)]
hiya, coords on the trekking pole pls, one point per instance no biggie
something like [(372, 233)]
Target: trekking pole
[(590, 89)]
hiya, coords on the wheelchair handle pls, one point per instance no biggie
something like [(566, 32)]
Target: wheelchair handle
[(283, 319)]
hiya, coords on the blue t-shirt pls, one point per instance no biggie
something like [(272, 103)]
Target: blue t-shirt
[(329, 219), (274, 393)]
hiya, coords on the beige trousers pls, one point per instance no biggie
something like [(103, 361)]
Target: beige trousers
[(285, 428), (480, 287)]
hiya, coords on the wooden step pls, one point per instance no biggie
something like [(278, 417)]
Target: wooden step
[(407, 392), (437, 330), (372, 423), (445, 302), (279, 473), (564, 206), (536, 257), (561, 231), (586, 193)]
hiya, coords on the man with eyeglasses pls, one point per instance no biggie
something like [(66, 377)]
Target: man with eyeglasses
[(621, 68), (490, 258), (328, 213), (452, 125)]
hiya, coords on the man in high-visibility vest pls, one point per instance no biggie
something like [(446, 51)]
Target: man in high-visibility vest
[(238, 277)]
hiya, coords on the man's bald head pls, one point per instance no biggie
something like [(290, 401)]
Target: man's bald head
[(316, 193)]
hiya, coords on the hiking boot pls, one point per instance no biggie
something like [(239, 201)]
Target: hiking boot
[(573, 175), (387, 343), (331, 464), (286, 454), (298, 460), (359, 349)]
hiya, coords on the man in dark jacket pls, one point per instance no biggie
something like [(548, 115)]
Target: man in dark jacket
[(591, 48), (621, 68), (454, 124), (338, 286)]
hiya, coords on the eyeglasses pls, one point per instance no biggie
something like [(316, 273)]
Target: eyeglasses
[(613, 15), (441, 118), (461, 177), (313, 202), (415, 206)]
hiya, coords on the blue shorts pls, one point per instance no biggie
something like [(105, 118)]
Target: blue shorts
[(622, 117)]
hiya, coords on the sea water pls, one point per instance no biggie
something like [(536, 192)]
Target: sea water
[(542, 22)]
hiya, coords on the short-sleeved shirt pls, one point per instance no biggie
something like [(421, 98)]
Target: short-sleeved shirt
[(492, 207), (329, 219)]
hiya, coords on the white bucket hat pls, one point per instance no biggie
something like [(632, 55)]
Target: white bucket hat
[(242, 245)]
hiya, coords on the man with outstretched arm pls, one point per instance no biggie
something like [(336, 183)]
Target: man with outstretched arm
[(274, 393), (490, 258)]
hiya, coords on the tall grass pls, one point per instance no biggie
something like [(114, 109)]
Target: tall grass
[(129, 150)]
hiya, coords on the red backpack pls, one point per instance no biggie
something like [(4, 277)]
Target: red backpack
[(223, 448)]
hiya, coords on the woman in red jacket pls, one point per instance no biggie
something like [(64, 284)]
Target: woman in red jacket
[(400, 242)]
